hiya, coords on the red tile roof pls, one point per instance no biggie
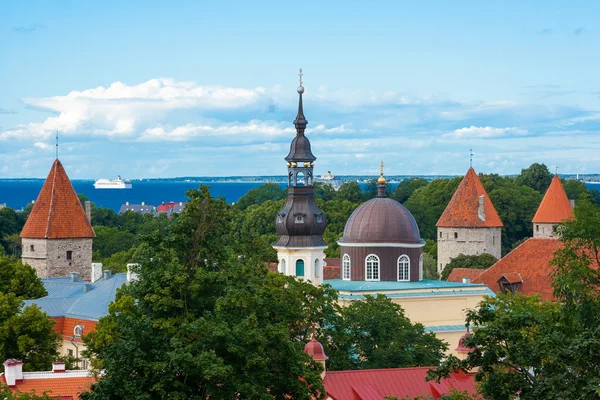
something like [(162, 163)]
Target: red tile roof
[(462, 210), (555, 206), (331, 272), (457, 274), (57, 212), (530, 261), (374, 384), (67, 386)]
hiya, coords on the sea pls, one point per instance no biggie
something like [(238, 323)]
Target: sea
[(18, 193)]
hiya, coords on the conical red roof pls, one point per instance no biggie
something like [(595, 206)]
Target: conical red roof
[(555, 206), (463, 209), (57, 212)]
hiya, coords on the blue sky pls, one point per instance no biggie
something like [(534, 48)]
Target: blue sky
[(164, 89)]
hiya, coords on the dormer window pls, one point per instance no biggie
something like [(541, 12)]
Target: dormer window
[(299, 218), (280, 218), (78, 331), (319, 218)]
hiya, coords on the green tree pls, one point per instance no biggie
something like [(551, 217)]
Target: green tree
[(337, 211), (199, 323), (11, 223), (375, 333), (536, 177), (268, 191), (477, 261), (324, 191), (406, 188), (429, 267), (350, 191), (102, 216), (110, 240), (26, 334), (20, 280)]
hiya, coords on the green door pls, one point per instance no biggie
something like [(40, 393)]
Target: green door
[(300, 268)]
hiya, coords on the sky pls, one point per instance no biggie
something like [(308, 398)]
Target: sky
[(165, 89)]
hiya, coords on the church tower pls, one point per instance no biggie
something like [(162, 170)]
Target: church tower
[(57, 237), (554, 208), (300, 224), (470, 224)]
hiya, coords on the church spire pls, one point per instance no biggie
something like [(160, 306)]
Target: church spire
[(300, 122), (300, 146), (381, 182)]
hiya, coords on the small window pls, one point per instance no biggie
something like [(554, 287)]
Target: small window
[(537, 228), (31, 247), (455, 235), (372, 266), (403, 268), (69, 255), (282, 266), (319, 218), (493, 239), (78, 331), (317, 268), (279, 219), (421, 267), (299, 219), (83, 363), (440, 235), (300, 268), (346, 267), (70, 352)]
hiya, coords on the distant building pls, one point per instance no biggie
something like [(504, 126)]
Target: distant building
[(57, 237), (143, 208), (470, 224), (527, 268)]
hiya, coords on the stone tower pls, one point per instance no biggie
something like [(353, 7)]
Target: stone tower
[(300, 224), (470, 224), (57, 237), (554, 208)]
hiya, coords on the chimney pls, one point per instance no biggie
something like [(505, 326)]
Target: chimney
[(87, 287), (74, 276), (58, 367), (466, 280), (96, 272), (88, 210), (143, 203), (481, 209), (572, 203), (13, 371), (106, 274), (131, 276)]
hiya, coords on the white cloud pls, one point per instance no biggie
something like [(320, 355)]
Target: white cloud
[(484, 132), (41, 145)]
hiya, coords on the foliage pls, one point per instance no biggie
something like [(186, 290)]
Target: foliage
[(324, 191), (429, 267), (11, 223), (201, 323), (375, 333), (20, 280), (406, 188), (111, 240), (477, 261), (26, 334), (8, 394), (350, 191), (268, 191), (536, 177), (372, 188)]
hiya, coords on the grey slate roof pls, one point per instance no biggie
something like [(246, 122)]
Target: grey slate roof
[(67, 298)]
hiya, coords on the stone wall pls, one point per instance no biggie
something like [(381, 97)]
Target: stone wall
[(544, 230), (49, 257), (469, 241)]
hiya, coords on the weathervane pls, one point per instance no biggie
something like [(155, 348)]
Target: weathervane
[(300, 75), (57, 145), (381, 165), (556, 170), (470, 157)]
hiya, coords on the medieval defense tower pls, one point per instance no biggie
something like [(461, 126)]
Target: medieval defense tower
[(470, 224), (554, 209), (57, 237), (300, 224)]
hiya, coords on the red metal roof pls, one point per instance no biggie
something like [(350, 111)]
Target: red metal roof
[(462, 210), (555, 206), (530, 262), (398, 382), (57, 212), (457, 274), (63, 387)]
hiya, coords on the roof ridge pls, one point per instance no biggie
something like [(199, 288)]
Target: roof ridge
[(54, 168)]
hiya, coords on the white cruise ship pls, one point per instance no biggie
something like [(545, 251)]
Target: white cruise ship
[(116, 183), (330, 179)]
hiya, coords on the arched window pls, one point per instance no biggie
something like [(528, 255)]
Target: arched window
[(282, 266), (372, 267), (346, 267), (403, 268), (300, 268), (421, 267), (317, 268)]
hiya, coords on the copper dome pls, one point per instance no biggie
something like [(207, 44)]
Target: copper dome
[(381, 220)]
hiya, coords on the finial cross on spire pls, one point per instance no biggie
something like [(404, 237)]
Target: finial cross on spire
[(381, 165), (57, 145), (556, 172), (300, 75)]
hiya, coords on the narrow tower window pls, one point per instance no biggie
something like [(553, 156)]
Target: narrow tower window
[(31, 247), (403, 268), (421, 267), (346, 267), (455, 235), (372, 266), (69, 255), (300, 268), (317, 268), (282, 266)]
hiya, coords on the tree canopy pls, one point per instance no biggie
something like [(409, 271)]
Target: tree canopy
[(477, 261)]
